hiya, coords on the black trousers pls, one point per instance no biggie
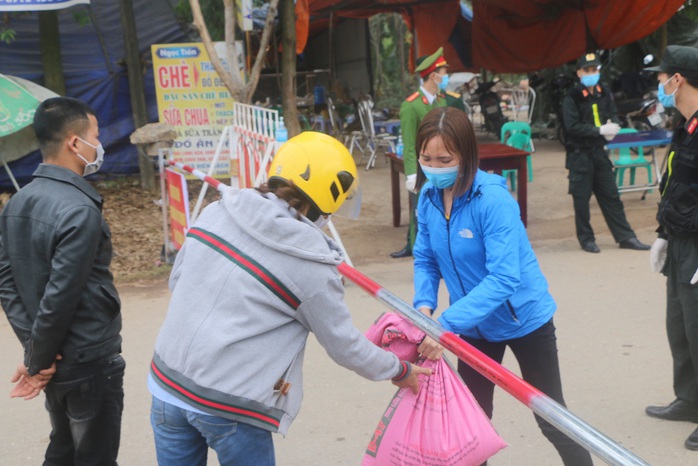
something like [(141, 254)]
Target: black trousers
[(591, 172), (682, 315), (85, 402), (536, 354)]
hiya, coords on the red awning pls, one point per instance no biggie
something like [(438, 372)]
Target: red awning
[(514, 35)]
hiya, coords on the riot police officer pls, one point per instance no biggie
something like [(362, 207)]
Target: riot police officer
[(589, 117), (675, 252)]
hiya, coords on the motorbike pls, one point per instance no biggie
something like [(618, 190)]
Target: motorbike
[(490, 107), (636, 102)]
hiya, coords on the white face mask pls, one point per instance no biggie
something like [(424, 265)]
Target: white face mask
[(92, 167), (322, 221)]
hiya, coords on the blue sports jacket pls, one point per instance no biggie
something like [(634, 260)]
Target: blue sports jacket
[(496, 288)]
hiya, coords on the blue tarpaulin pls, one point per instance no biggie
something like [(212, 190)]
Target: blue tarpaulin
[(93, 56)]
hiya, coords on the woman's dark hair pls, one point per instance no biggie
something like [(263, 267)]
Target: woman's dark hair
[(458, 135), (291, 194)]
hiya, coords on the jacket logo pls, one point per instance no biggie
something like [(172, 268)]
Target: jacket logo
[(465, 233)]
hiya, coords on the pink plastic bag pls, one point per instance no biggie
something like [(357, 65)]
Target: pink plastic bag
[(440, 426), (397, 335)]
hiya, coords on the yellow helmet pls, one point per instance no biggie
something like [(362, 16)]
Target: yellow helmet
[(318, 165)]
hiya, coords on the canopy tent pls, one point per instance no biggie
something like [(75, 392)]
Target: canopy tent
[(92, 53), (512, 36)]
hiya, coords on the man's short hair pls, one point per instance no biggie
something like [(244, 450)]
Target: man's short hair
[(56, 117)]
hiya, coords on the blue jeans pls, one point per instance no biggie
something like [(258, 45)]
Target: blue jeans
[(182, 438), (85, 402)]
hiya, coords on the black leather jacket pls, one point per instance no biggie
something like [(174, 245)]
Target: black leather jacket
[(55, 283)]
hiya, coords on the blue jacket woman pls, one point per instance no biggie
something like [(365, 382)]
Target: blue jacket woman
[(498, 292), (470, 234)]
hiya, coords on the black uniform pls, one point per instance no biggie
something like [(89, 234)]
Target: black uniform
[(678, 220), (590, 169)]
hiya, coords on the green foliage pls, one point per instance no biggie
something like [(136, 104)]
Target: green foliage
[(213, 13), (7, 35), (690, 10), (392, 80), (82, 18)]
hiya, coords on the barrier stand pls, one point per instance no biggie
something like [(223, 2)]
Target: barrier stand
[(541, 404), (202, 194)]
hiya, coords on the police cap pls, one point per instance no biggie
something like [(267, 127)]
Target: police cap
[(588, 59), (678, 59), (426, 65)]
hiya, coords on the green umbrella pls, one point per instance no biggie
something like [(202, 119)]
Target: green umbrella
[(19, 99), (17, 106)]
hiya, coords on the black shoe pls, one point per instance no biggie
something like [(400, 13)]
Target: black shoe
[(591, 247), (677, 410), (404, 252), (692, 441), (634, 243)]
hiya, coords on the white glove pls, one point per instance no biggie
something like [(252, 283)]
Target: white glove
[(694, 280), (411, 182), (609, 130), (658, 255)]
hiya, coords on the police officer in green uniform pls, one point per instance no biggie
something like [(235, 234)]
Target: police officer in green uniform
[(454, 99), (675, 252), (432, 70), (589, 117)]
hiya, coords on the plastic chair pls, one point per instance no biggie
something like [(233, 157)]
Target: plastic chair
[(373, 141), (522, 102), (511, 127), (520, 141), (629, 158), (508, 129)]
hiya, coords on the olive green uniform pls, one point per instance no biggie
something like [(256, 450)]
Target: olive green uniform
[(455, 100), (412, 110)]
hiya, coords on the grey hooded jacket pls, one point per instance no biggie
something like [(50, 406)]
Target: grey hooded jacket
[(249, 284)]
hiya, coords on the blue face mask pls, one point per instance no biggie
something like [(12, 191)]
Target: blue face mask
[(444, 82), (441, 177), (590, 80), (667, 100)]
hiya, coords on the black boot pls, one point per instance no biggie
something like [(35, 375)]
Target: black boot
[(404, 252)]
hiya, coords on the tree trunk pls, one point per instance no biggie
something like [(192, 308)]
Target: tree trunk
[(400, 29), (288, 67), (51, 52), (376, 23), (137, 89)]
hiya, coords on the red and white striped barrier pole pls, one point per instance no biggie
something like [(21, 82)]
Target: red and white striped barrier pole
[(541, 404), (218, 185)]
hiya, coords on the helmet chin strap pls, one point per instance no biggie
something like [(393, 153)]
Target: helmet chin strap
[(313, 213)]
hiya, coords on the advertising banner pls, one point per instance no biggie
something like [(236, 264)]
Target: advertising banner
[(39, 5), (192, 98)]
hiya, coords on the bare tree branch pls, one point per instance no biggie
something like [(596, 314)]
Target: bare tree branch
[(262, 52), (230, 49), (231, 80)]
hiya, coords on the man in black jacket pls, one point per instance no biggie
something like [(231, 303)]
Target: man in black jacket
[(58, 292), (589, 117), (675, 251)]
